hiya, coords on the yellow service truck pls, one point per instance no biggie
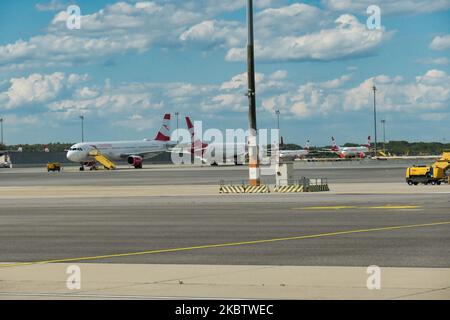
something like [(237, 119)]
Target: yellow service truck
[(434, 174), (53, 166)]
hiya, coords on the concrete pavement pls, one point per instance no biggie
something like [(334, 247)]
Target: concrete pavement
[(125, 281)]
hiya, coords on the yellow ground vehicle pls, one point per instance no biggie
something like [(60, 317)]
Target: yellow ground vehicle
[(434, 174), (53, 166)]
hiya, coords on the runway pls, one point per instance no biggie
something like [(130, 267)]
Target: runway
[(175, 216), (104, 227)]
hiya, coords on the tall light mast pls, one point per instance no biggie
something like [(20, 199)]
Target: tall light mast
[(253, 166)]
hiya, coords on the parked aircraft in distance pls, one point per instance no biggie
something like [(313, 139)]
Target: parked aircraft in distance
[(236, 153), (350, 152), (293, 154)]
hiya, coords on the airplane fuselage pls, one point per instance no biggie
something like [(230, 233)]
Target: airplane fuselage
[(349, 152), (217, 153)]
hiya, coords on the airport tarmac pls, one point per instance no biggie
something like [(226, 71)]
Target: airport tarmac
[(37, 229), (364, 171), (155, 217)]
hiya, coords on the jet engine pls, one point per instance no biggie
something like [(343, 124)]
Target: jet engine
[(135, 161)]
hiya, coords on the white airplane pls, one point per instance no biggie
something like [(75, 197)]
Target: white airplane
[(209, 153), (236, 153), (290, 155), (134, 152), (350, 152)]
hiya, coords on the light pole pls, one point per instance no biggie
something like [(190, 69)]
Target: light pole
[(178, 136), (82, 128), (253, 165), (375, 118), (1, 124), (277, 112), (383, 122)]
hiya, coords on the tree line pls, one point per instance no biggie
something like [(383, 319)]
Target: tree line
[(398, 148)]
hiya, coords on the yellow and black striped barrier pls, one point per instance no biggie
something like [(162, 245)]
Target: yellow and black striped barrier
[(289, 189), (243, 189), (232, 189), (257, 189)]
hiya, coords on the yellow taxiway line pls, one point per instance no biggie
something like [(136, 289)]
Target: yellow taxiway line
[(223, 245), (386, 207)]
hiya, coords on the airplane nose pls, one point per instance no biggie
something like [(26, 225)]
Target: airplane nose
[(70, 156)]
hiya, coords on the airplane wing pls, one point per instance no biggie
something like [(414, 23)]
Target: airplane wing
[(144, 154), (293, 153), (408, 157)]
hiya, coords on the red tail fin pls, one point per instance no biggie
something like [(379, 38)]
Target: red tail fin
[(164, 132), (197, 144), (334, 146), (307, 145), (190, 127), (369, 142)]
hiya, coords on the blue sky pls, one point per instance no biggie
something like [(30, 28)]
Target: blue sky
[(132, 61)]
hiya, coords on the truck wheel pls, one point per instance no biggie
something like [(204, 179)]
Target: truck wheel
[(416, 183), (433, 183), (438, 183), (410, 182)]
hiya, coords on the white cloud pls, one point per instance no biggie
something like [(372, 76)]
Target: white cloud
[(297, 32), (336, 83), (441, 43), (63, 97), (86, 93), (435, 61), (279, 75), (124, 27), (215, 7), (307, 100), (117, 29), (292, 19), (388, 7), (240, 81), (349, 38), (430, 91), (215, 33), (284, 33), (138, 123), (53, 5), (38, 88)]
